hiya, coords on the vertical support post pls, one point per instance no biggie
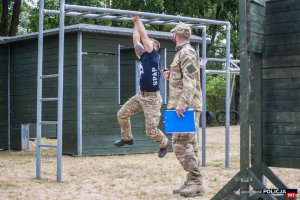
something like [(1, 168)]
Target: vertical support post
[(137, 75), (24, 137), (8, 97), (244, 78), (39, 90), (204, 97), (255, 67), (162, 81), (60, 88), (165, 65), (227, 109), (79, 94), (198, 132), (119, 70), (232, 87)]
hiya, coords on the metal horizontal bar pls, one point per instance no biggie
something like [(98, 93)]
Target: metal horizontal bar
[(222, 60), (143, 14), (50, 76), (106, 17), (109, 17), (221, 72), (49, 99), (234, 69), (85, 13), (169, 21), (48, 145), (102, 15), (198, 26), (121, 16), (48, 122), (150, 20)]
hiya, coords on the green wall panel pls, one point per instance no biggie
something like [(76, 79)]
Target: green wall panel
[(280, 84), (3, 97), (24, 86)]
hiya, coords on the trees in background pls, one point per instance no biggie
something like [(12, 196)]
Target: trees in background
[(10, 13)]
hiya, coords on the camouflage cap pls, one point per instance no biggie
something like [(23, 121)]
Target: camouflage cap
[(182, 29)]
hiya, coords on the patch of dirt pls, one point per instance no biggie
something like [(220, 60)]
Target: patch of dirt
[(128, 177)]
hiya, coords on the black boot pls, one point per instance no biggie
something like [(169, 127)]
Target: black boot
[(163, 151), (122, 142)]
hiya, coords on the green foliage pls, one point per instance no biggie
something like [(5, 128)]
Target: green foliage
[(154, 6), (215, 90), (216, 85)]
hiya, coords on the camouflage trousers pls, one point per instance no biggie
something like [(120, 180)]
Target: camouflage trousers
[(183, 147), (196, 147), (150, 105)]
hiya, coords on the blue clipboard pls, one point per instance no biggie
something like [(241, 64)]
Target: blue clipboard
[(175, 124)]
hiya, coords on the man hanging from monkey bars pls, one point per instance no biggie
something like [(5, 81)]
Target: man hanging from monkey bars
[(149, 99)]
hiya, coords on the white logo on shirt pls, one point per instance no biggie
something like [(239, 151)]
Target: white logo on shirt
[(154, 77)]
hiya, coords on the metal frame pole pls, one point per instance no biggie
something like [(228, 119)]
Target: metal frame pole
[(79, 94), (232, 87), (198, 53), (222, 60), (119, 70), (204, 97), (60, 89), (165, 81), (39, 90), (227, 109)]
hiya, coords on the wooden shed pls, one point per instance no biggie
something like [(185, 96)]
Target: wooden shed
[(100, 73)]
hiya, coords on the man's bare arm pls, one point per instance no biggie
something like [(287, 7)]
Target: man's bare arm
[(148, 45), (138, 47)]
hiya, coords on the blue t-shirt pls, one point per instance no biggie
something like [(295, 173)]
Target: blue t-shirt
[(149, 72)]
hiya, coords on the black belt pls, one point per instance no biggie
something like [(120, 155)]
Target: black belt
[(148, 94)]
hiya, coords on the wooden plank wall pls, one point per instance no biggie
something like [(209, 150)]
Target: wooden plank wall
[(100, 97), (3, 97), (256, 18), (281, 84), (127, 74), (24, 87), (255, 41)]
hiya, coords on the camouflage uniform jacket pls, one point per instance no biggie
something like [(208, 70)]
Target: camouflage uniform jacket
[(184, 80)]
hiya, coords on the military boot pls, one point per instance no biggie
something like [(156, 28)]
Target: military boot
[(123, 142), (177, 191), (163, 151), (192, 190)]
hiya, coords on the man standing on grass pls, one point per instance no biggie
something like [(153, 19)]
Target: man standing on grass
[(185, 93), (149, 99)]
